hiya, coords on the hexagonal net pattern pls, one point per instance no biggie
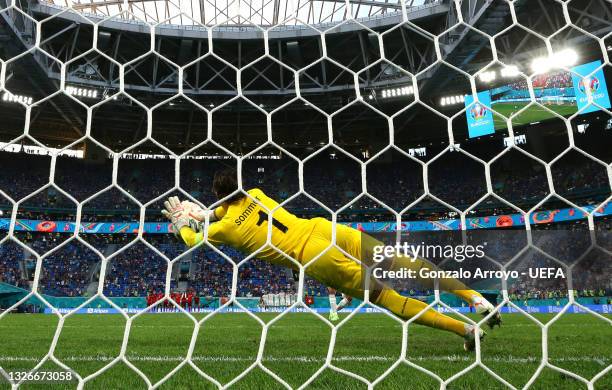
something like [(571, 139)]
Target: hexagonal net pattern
[(450, 50)]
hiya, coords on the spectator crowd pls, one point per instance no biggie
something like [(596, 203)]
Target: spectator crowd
[(74, 269)]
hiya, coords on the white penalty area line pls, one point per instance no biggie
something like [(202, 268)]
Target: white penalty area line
[(602, 361)]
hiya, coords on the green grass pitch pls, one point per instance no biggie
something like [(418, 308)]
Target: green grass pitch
[(296, 347), (532, 114)]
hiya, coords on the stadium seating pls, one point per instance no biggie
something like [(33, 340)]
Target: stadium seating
[(136, 271)]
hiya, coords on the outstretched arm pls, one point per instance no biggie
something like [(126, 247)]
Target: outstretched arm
[(187, 217), (191, 237)]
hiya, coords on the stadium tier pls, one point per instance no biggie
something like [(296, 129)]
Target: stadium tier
[(311, 194)]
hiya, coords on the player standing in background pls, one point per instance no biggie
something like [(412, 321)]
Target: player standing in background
[(190, 300), (334, 307), (176, 296), (150, 298), (158, 297), (242, 222), (184, 300)]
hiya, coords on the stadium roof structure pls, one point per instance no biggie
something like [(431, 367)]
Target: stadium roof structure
[(182, 35), (264, 13)]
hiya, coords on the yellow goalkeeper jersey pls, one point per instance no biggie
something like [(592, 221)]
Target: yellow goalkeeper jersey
[(244, 226)]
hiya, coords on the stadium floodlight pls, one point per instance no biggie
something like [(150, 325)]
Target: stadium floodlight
[(395, 92), (450, 100), (560, 59), (566, 57), (10, 98), (540, 65), (510, 71), (487, 77), (82, 92)]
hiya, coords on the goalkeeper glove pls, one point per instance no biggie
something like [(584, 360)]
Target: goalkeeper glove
[(176, 213), (184, 213), (195, 211)]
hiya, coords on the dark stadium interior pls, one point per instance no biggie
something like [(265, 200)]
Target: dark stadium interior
[(211, 81)]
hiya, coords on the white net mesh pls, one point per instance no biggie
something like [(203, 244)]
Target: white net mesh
[(454, 49)]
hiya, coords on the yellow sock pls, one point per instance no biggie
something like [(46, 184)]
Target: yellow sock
[(465, 294), (407, 308), (453, 286)]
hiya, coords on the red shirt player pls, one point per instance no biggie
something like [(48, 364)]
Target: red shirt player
[(176, 297), (190, 300), (161, 298)]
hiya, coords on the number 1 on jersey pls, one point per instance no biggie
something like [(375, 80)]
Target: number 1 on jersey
[(263, 217)]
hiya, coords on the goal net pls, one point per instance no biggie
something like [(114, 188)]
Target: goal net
[(441, 123)]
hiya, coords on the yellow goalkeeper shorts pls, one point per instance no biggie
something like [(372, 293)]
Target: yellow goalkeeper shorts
[(333, 268)]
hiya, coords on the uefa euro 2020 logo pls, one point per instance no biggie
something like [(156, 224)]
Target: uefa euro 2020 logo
[(478, 112), (589, 83)]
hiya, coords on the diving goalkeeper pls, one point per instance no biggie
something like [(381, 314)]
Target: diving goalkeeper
[(242, 222)]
